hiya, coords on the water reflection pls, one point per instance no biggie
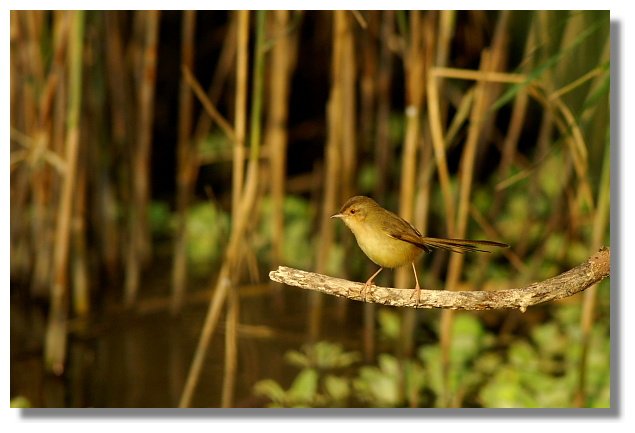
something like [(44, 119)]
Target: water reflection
[(141, 360)]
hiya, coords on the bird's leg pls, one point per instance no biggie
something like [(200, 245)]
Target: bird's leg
[(369, 283), (417, 288)]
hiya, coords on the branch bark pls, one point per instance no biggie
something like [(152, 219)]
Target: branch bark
[(573, 281)]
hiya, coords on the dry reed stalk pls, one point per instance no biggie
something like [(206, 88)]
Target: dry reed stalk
[(596, 120), (101, 205), (240, 215), (510, 143), (570, 129), (575, 26), (120, 90), (258, 77), (186, 164), (58, 143), (144, 137), (460, 117), (34, 21), (415, 72), (80, 272), (119, 85), (43, 220), (50, 86), (436, 130), (334, 158), (545, 45), (210, 109), (577, 149), (55, 339), (221, 74), (593, 73), (383, 154), (112, 122), (240, 118), (224, 280), (38, 152), (360, 19), (426, 167), (231, 350), (19, 263), (29, 61), (479, 110), (381, 73), (498, 61), (558, 115), (255, 133), (282, 63), (139, 244), (600, 225), (349, 127), (486, 76), (348, 141), (447, 27), (425, 171), (368, 80)]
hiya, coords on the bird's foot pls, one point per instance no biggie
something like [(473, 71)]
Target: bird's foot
[(417, 293), (364, 290)]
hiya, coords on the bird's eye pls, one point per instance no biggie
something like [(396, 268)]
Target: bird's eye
[(352, 211)]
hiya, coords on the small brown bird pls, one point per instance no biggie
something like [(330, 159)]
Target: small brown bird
[(391, 242)]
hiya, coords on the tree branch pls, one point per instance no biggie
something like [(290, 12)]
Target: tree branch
[(573, 281)]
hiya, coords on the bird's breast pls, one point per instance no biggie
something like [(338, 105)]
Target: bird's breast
[(382, 249)]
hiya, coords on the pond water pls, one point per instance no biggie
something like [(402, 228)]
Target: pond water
[(141, 358)]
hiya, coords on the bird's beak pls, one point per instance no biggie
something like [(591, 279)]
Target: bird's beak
[(337, 215)]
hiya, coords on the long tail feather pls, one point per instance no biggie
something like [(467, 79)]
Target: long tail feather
[(459, 245)]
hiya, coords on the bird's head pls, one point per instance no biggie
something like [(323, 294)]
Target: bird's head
[(356, 210)]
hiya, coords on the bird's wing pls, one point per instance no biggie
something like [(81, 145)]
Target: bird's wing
[(453, 245), (401, 229)]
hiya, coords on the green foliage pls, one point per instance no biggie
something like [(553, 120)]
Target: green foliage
[(543, 371), (540, 215), (469, 341), (538, 370), (315, 385), (389, 324), (367, 178), (397, 127), (392, 383), (207, 229), (214, 146), (161, 220), (20, 402), (553, 61), (298, 251), (322, 355)]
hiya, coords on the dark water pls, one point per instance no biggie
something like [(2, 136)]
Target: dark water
[(142, 358)]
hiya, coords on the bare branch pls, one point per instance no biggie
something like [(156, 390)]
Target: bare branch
[(573, 281)]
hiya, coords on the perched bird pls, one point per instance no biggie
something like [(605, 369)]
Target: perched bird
[(391, 242)]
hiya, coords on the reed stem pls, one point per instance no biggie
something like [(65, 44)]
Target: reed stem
[(55, 340)]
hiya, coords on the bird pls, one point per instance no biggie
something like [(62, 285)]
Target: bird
[(391, 242)]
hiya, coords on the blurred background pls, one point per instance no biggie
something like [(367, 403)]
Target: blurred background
[(162, 163)]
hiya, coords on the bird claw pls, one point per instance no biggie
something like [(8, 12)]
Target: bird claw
[(364, 290), (417, 291)]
